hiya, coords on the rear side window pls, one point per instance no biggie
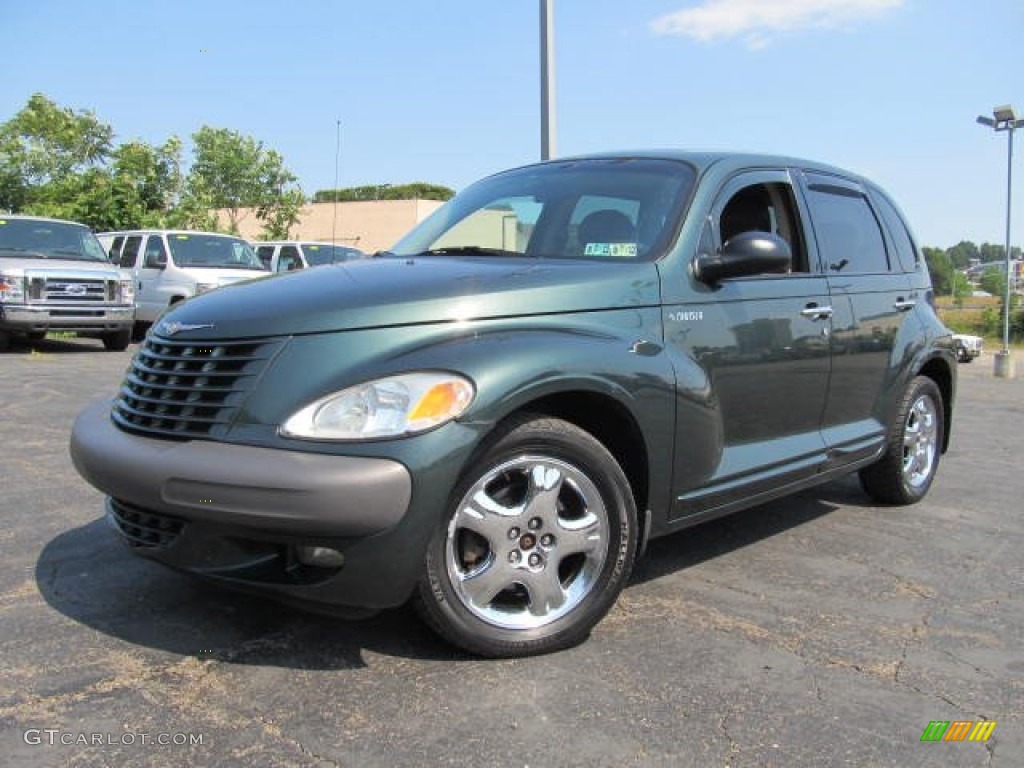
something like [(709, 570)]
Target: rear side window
[(849, 238), (131, 250)]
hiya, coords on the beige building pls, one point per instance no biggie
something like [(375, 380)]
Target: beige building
[(371, 225)]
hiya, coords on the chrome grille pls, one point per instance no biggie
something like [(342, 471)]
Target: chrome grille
[(189, 389), (59, 289)]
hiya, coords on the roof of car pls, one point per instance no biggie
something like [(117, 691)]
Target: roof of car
[(25, 217), (704, 160), (168, 232)]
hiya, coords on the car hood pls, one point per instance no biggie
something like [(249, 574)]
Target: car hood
[(390, 292)]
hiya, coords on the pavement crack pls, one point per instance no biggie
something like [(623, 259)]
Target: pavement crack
[(273, 729)]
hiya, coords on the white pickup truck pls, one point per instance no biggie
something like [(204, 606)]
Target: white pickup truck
[(967, 347), (55, 276)]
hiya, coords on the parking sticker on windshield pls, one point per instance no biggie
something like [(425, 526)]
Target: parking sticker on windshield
[(615, 250)]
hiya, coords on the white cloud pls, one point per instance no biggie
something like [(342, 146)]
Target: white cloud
[(758, 21)]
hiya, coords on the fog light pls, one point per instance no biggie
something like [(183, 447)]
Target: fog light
[(322, 557)]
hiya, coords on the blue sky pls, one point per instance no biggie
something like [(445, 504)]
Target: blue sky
[(448, 91)]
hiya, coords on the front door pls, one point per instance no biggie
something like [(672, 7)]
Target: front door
[(763, 345)]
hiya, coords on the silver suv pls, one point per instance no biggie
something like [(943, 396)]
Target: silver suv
[(54, 276)]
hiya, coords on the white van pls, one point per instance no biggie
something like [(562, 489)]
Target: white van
[(286, 255), (171, 265)]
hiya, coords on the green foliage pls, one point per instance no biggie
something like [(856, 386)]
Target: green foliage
[(283, 216), (232, 171), (43, 145), (418, 190), (58, 162), (994, 281)]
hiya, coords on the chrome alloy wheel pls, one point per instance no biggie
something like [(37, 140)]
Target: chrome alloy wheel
[(527, 542), (920, 442)]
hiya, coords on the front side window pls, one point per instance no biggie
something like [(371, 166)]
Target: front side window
[(265, 254), (616, 209), (765, 207), (130, 251), (194, 250), (289, 259), (849, 238), (156, 253), (42, 239)]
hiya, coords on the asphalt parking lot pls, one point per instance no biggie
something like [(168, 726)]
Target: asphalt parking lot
[(813, 631)]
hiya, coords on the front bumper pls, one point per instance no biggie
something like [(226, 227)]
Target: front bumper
[(241, 515), (257, 489), (29, 318)]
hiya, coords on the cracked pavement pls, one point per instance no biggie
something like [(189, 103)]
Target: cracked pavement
[(817, 630)]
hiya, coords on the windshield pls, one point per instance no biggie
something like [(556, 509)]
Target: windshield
[(192, 250), (615, 209), (41, 239), (318, 254)]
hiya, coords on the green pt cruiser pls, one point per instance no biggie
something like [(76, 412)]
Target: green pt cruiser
[(564, 361)]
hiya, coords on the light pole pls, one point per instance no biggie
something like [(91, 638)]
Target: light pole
[(547, 79), (1005, 119), (337, 159)]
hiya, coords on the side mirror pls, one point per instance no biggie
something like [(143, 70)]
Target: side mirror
[(746, 254), (156, 261)]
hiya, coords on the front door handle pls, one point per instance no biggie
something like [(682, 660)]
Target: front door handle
[(814, 312), (903, 305)]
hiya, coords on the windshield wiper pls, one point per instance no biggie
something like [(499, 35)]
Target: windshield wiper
[(23, 253), (471, 250)]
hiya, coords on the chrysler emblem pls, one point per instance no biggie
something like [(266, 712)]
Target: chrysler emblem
[(169, 329)]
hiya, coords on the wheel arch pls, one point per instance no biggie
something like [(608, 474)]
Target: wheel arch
[(613, 425), (939, 371)]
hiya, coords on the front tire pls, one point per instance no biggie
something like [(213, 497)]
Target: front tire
[(536, 545), (117, 341), (914, 445)]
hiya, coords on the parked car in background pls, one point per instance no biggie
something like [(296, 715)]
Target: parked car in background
[(54, 276), (168, 266), (288, 255), (562, 362), (967, 347)]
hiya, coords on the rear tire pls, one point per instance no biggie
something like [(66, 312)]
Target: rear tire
[(537, 543), (913, 447)]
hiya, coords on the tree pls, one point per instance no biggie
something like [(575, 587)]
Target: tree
[(993, 280), (44, 144), (963, 253), (281, 218), (940, 268), (232, 171)]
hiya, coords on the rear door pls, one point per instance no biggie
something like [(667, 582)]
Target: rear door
[(871, 299)]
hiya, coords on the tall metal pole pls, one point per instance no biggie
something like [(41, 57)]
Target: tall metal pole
[(547, 79), (337, 160), (1009, 207)]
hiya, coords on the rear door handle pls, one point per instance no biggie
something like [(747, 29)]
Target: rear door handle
[(903, 305), (814, 312)]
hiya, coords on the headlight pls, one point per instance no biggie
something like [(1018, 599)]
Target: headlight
[(12, 287), (390, 407), (205, 287), (127, 291)]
